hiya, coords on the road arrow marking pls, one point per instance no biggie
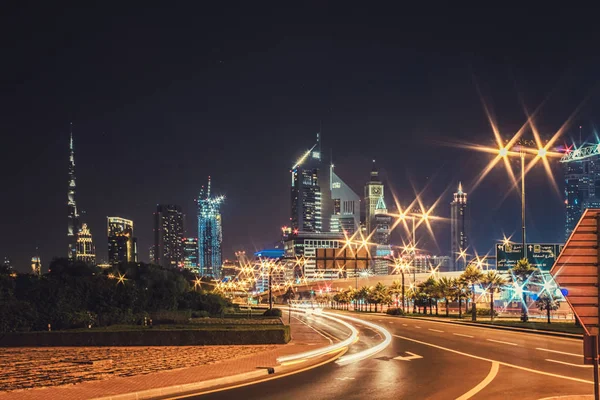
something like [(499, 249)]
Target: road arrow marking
[(412, 356)]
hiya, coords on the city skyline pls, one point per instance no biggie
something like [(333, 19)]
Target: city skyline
[(138, 136)]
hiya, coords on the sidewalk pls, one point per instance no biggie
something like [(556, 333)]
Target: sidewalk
[(303, 339)]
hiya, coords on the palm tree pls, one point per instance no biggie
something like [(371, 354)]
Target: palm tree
[(522, 272), (363, 294), (430, 290), (493, 281), (352, 296), (395, 289), (461, 288), (547, 303), (446, 289), (473, 276), (381, 294)]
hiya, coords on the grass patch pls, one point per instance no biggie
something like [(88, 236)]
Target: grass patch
[(566, 327)]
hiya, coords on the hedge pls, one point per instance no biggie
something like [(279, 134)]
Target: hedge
[(151, 337)]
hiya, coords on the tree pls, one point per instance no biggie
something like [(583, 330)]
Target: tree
[(379, 295), (548, 303), (446, 290), (473, 276), (462, 290), (363, 294), (396, 289), (522, 271), (493, 281)]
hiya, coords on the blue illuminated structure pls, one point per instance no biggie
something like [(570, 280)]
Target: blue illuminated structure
[(210, 234)]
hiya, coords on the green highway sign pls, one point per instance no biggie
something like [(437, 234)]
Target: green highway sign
[(540, 255)]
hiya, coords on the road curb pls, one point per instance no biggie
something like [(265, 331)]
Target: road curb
[(231, 380), (188, 387), (504, 328)]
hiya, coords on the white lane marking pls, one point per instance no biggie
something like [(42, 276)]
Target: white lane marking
[(435, 330), (418, 327), (569, 364), (492, 361), (488, 379), (412, 356), (559, 352), (463, 335), (346, 378), (404, 325), (500, 341)]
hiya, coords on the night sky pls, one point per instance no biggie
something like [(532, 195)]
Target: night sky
[(160, 98)]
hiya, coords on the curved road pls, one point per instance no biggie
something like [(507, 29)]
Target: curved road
[(433, 360)]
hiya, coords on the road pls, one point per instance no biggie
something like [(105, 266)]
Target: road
[(434, 360)]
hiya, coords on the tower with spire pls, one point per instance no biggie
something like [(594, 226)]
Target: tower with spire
[(210, 233), (72, 214), (373, 191), (459, 225)]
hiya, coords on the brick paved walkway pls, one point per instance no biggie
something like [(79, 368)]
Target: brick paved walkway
[(82, 373)]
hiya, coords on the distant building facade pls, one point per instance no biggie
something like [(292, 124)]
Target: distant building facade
[(168, 235), (122, 245), (210, 233), (85, 250), (346, 206), (190, 253), (459, 225)]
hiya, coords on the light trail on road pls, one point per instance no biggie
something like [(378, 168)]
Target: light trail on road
[(361, 355), (323, 350)]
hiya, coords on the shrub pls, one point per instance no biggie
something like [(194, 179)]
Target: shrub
[(170, 317), (395, 311), (200, 314), (273, 312), (486, 312)]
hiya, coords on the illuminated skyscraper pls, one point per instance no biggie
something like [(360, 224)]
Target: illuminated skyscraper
[(311, 193), (373, 191), (122, 245), (346, 206), (210, 234), (381, 223), (168, 235), (73, 215), (582, 183), (86, 251), (190, 253), (459, 221), (36, 265)]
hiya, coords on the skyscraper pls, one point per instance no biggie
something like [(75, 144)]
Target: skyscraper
[(168, 235), (310, 193), (36, 265), (582, 183), (382, 224), (459, 221), (373, 191), (346, 206), (190, 253), (122, 245), (210, 234), (72, 214), (85, 250)]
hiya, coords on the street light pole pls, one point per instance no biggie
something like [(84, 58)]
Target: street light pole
[(270, 292), (403, 302), (522, 153), (414, 246)]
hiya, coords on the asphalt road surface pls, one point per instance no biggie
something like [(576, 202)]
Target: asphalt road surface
[(433, 360)]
